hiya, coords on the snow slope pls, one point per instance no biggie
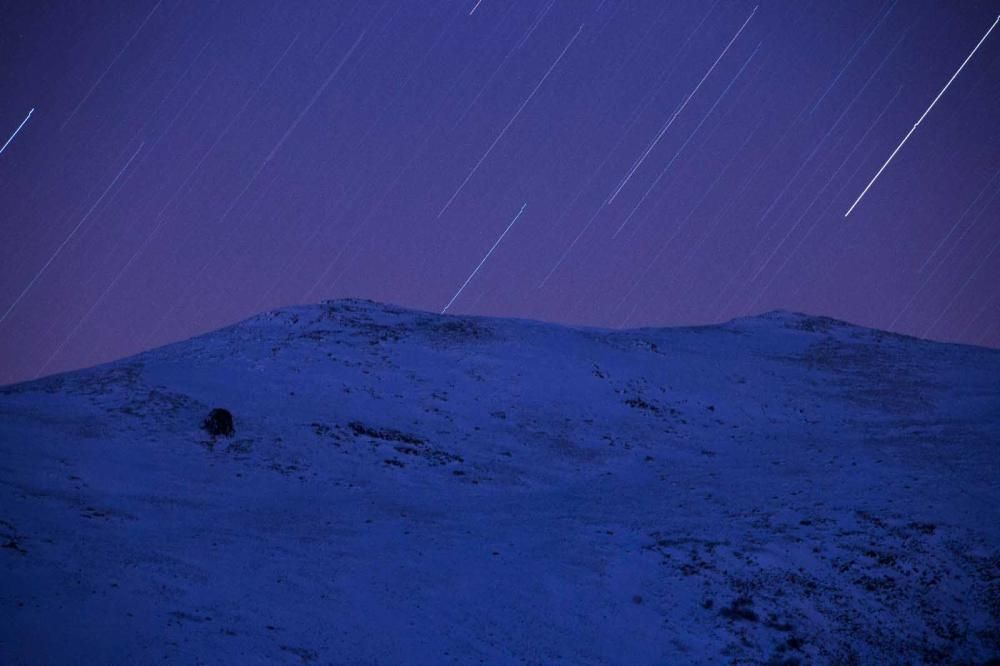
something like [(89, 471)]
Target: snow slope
[(405, 487)]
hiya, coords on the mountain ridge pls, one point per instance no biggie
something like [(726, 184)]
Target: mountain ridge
[(788, 318), (406, 486)]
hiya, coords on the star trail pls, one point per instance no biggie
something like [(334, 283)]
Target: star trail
[(921, 118), (173, 166), (480, 264), (23, 123)]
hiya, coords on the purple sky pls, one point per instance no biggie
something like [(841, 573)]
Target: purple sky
[(190, 163)]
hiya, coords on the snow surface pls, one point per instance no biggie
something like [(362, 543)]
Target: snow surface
[(406, 487)]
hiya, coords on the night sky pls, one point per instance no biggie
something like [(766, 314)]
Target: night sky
[(189, 163)]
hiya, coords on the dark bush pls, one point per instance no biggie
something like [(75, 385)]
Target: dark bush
[(219, 423)]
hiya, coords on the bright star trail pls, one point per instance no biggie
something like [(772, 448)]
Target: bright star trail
[(480, 264), (921, 118), (23, 123), (171, 167)]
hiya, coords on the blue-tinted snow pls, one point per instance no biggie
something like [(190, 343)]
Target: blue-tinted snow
[(406, 487)]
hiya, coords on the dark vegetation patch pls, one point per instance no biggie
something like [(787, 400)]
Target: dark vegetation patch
[(409, 445), (106, 514), (690, 556), (331, 432), (105, 381), (772, 622), (924, 528), (12, 544), (285, 469), (321, 428), (386, 434), (884, 559), (460, 330), (378, 334), (317, 335), (794, 643), (354, 317), (305, 655), (432, 456), (157, 402), (874, 376), (630, 342), (739, 609), (814, 324), (182, 616), (878, 563), (640, 403)]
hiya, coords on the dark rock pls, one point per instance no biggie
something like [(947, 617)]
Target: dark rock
[(219, 423)]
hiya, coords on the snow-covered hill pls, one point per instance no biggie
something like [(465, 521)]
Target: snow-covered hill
[(406, 487)]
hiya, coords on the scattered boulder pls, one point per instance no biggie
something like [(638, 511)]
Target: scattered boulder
[(219, 423)]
